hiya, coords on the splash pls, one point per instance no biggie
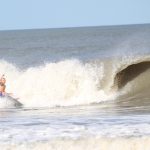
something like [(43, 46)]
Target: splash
[(68, 82)]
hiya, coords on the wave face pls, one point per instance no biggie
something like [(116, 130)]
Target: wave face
[(130, 72), (72, 82)]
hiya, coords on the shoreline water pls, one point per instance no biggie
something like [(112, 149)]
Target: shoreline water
[(88, 144)]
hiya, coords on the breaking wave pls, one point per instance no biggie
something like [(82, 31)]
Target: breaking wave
[(72, 82)]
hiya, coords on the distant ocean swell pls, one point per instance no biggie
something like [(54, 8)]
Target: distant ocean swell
[(72, 82)]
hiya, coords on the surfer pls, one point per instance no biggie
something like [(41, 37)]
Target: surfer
[(10, 99), (2, 86)]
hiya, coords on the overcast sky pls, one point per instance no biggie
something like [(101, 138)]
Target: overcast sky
[(30, 14)]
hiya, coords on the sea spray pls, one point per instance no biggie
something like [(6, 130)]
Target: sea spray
[(68, 82)]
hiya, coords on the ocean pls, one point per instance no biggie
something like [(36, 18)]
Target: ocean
[(80, 88)]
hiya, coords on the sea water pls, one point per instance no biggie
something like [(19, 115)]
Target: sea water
[(81, 88)]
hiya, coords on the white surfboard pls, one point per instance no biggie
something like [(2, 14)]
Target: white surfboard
[(9, 102)]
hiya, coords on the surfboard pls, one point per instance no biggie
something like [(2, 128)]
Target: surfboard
[(9, 101), (14, 100)]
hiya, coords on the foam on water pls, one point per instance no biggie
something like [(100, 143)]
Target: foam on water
[(61, 128), (88, 144)]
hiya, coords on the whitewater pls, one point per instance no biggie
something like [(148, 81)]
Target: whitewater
[(80, 88)]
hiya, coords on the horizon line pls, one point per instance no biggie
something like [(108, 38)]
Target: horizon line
[(69, 27)]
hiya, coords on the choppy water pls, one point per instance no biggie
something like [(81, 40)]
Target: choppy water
[(81, 88)]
